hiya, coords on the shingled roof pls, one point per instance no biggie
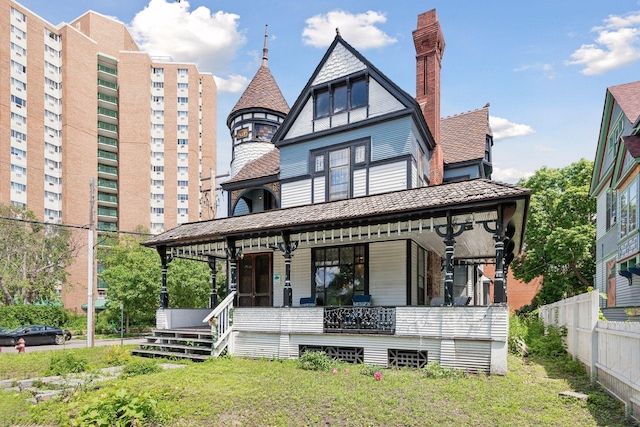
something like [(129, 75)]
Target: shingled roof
[(628, 98), (262, 92), (266, 165), (457, 195), (464, 135)]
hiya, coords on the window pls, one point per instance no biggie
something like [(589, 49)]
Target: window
[(183, 114), (157, 168), (18, 101), (612, 208), (52, 148), (52, 132), (157, 99), (157, 141), (157, 113), (18, 152), (52, 84), (155, 70), (52, 35), (183, 85), (183, 128), (52, 179), (360, 154), (340, 97), (183, 211), (19, 118), (157, 182), (52, 116), (183, 100), (18, 84), (183, 71), (264, 132), (18, 49), (52, 164), (18, 169), (19, 204), (183, 197), (183, 156), (157, 126), (157, 210), (52, 213), (183, 169), (157, 225), (628, 209), (18, 32), (18, 15), (49, 66), (18, 187), (339, 274), (51, 99), (52, 196), (182, 183), (157, 196), (339, 174), (183, 141), (157, 85), (18, 135), (53, 52), (157, 154), (422, 300)]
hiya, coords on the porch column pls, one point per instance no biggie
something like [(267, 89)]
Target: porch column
[(449, 249), (213, 296), (499, 289), (287, 247), (164, 260), (232, 256)]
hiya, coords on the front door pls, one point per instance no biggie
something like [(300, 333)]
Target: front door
[(254, 280)]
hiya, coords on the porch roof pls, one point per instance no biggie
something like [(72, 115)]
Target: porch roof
[(407, 211)]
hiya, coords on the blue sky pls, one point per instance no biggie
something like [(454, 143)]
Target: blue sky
[(544, 66)]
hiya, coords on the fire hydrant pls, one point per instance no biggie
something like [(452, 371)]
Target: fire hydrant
[(21, 347)]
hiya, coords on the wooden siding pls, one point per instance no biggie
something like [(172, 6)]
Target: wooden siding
[(388, 177), (601, 209), (389, 139), (388, 272), (340, 63), (359, 182), (319, 187), (414, 273), (296, 193), (414, 175), (381, 101), (304, 122), (470, 338), (300, 276)]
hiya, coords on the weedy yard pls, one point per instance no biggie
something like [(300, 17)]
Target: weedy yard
[(320, 392)]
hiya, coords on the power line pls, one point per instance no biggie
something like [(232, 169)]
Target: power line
[(82, 227)]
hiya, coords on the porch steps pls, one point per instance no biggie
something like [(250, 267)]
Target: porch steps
[(185, 343)]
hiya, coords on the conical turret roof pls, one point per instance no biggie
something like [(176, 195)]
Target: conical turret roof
[(263, 91)]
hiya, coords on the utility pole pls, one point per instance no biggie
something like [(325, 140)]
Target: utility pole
[(90, 262)]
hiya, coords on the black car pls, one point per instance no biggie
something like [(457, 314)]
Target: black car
[(34, 335)]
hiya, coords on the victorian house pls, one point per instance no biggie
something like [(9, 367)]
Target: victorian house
[(359, 223), (615, 185)]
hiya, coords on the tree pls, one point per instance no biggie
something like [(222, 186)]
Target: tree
[(133, 275), (560, 234), (33, 257)]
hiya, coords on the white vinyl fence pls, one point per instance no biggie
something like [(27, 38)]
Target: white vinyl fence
[(609, 350)]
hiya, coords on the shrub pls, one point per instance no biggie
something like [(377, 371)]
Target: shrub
[(138, 366), (435, 370), (314, 361), (63, 363), (122, 408), (13, 316), (117, 355)]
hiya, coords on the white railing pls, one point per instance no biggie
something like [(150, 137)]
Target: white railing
[(608, 349), (221, 320)]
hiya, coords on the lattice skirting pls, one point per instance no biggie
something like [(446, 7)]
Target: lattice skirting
[(345, 354), (407, 358)]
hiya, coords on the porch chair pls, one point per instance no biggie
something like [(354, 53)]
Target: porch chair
[(307, 302), (461, 301), (362, 300)]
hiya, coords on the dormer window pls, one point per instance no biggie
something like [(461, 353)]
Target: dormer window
[(340, 96)]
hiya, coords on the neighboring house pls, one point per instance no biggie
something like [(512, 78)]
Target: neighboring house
[(615, 185), (357, 247)]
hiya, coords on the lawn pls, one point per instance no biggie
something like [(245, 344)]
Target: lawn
[(244, 392)]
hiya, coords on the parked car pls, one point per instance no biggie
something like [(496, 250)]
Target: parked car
[(35, 335)]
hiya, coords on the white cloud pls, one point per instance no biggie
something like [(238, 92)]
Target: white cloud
[(616, 45), (359, 30), (210, 40), (545, 69), (503, 128), (510, 175), (233, 84)]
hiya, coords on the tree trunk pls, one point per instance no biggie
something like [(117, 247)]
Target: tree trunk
[(580, 276), (5, 292)]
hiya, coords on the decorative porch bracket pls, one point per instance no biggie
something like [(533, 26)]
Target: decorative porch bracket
[(287, 247), (233, 254), (450, 244), (164, 260), (502, 236)]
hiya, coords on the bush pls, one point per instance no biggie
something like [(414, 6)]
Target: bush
[(435, 370), (12, 316), (120, 408), (138, 366), (63, 363), (117, 356), (314, 361)]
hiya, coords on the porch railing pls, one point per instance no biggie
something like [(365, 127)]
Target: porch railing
[(221, 320), (362, 320)]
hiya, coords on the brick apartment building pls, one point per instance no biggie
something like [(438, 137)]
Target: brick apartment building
[(81, 101)]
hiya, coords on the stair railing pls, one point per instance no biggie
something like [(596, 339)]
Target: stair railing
[(221, 320)]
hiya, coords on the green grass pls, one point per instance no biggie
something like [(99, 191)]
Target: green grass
[(244, 392)]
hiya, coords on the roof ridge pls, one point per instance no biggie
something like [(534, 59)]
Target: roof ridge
[(466, 112)]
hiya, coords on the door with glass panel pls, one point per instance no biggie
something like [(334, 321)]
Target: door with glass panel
[(254, 280)]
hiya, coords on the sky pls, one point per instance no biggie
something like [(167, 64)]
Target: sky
[(543, 66)]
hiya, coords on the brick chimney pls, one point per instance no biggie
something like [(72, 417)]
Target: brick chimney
[(429, 43)]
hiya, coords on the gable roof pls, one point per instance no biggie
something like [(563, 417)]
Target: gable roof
[(463, 136), (407, 100), (262, 92), (628, 98), (265, 165)]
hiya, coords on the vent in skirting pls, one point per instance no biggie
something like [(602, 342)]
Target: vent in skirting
[(407, 358), (345, 354)]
